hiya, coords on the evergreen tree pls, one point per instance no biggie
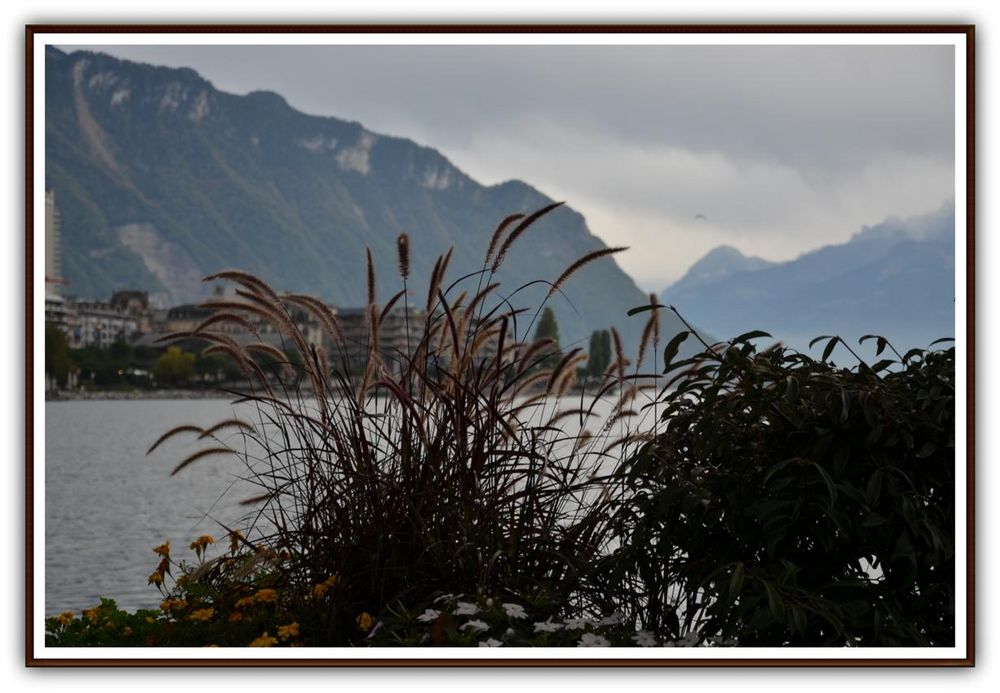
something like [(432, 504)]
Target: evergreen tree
[(548, 328), (599, 355)]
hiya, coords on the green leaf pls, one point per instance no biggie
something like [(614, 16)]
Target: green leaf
[(755, 334), (774, 601), (829, 348), (672, 348), (643, 309), (736, 581)]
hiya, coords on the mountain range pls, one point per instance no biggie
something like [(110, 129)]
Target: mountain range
[(895, 279), (161, 179)]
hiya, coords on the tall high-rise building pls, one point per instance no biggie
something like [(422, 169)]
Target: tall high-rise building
[(53, 271)]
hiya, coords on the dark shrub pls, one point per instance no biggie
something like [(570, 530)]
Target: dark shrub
[(792, 501)]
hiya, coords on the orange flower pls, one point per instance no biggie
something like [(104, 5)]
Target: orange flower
[(234, 540), (266, 595), (156, 578), (173, 605), (199, 544), (90, 615), (365, 621), (289, 631), (264, 641), (244, 602), (163, 549), (202, 614), (235, 617), (65, 618), (320, 590)]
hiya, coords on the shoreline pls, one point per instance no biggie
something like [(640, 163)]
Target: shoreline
[(83, 395)]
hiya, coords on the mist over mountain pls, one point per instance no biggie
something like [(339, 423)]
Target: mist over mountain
[(895, 279), (161, 179)]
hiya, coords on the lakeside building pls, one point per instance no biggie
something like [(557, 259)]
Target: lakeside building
[(98, 323), (401, 331)]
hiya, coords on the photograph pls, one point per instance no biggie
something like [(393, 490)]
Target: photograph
[(482, 345)]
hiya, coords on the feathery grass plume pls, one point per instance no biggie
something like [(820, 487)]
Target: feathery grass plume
[(322, 311), (228, 423), (568, 378), (434, 284), (518, 230), (560, 366), (226, 317), (561, 414), (525, 360), (495, 238), (254, 283), (371, 277), (390, 305), (276, 315), (199, 455), (403, 253), (585, 260), (651, 331), (619, 354), (186, 428)]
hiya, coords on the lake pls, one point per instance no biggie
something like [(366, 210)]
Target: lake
[(107, 503)]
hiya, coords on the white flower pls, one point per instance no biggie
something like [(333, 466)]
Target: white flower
[(547, 627), (490, 643), (644, 639), (475, 626), (466, 609), (578, 623), (690, 640), (429, 615), (612, 620), (514, 611), (591, 640), (489, 602), (446, 597)]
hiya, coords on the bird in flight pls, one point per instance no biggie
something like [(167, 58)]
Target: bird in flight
[(701, 216)]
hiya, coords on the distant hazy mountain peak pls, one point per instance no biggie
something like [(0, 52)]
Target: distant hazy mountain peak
[(937, 225), (718, 263)]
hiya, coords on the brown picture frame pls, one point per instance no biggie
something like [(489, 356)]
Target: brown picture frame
[(35, 33)]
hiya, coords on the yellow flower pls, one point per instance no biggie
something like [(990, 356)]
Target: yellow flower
[(244, 602), (235, 617), (202, 614), (65, 618), (127, 631), (150, 619), (90, 615), (289, 631), (173, 605), (320, 590), (201, 542), (266, 595), (234, 540), (264, 641), (365, 621), (163, 549)]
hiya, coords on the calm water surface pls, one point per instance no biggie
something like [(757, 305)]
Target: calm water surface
[(107, 504)]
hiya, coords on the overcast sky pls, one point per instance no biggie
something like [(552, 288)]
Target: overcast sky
[(671, 150)]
